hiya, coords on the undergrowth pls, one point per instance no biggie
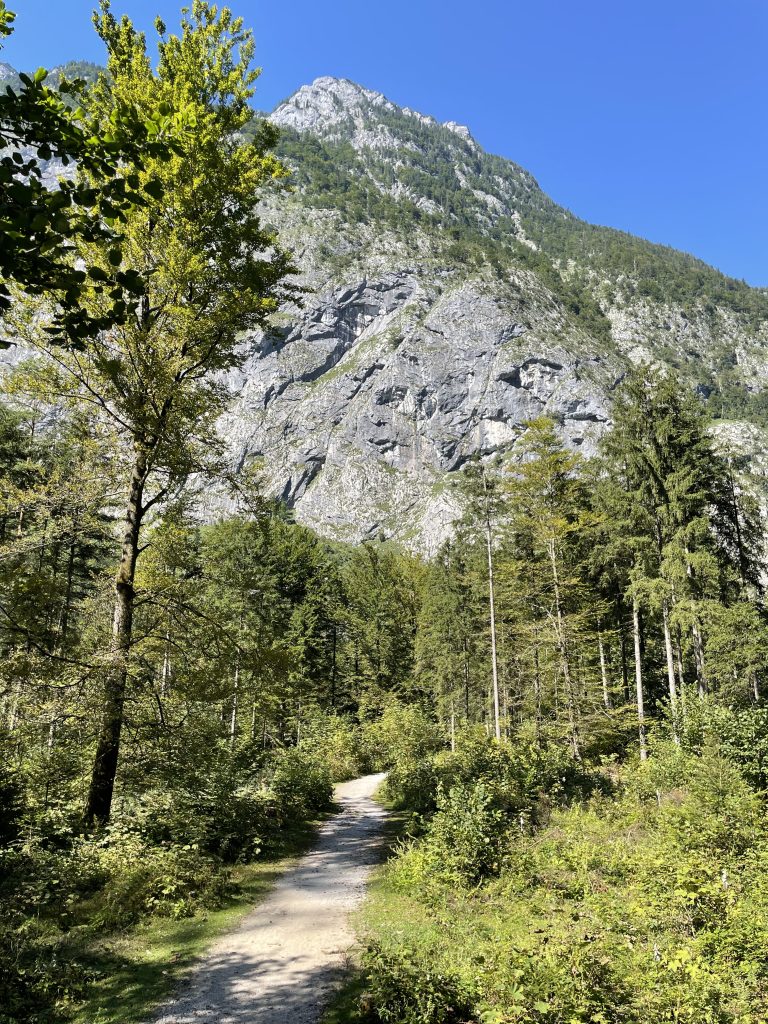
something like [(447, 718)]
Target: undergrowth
[(535, 892)]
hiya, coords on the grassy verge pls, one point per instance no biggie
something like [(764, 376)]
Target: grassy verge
[(139, 968)]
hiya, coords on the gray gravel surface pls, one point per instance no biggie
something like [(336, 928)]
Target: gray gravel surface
[(281, 965)]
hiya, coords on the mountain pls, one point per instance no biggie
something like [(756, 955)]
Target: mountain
[(448, 301)]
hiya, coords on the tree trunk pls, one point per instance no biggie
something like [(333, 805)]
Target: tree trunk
[(698, 657), (66, 607), (679, 665), (492, 609), (639, 679), (333, 667), (165, 674), (235, 701), (466, 679), (565, 660), (102, 785), (537, 690), (670, 670), (603, 669)]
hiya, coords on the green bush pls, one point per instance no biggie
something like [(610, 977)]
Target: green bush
[(216, 818), (142, 879), (338, 743), (405, 990), (521, 780), (11, 804), (463, 843), (403, 733), (300, 783), (37, 981)]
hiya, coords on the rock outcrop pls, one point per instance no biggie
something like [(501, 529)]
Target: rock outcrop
[(406, 361)]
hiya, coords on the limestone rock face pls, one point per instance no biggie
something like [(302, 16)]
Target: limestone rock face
[(360, 407)]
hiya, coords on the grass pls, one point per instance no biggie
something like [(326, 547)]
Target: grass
[(141, 967)]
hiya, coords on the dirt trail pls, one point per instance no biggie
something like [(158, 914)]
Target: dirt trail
[(282, 963)]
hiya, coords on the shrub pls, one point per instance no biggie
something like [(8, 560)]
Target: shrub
[(519, 779), (405, 990), (36, 980), (300, 783), (217, 818), (404, 733), (338, 743), (11, 804), (141, 879), (462, 845)]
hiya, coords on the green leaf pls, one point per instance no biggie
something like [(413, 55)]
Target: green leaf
[(155, 189)]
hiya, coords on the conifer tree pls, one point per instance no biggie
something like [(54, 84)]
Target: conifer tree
[(671, 498), (549, 517)]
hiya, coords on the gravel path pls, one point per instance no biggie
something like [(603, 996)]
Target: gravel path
[(281, 964)]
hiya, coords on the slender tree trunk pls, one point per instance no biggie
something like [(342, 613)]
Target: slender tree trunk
[(698, 657), (453, 725), (603, 668), (698, 642), (623, 652), (236, 687), (102, 785), (49, 756), (333, 668), (679, 666), (165, 675), (13, 716), (537, 690), (66, 607), (235, 702), (639, 679), (565, 661), (465, 645), (672, 682), (492, 609)]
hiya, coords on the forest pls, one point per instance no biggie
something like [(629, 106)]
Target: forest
[(569, 698)]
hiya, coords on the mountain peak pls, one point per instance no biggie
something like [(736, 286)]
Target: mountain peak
[(327, 102), (331, 102)]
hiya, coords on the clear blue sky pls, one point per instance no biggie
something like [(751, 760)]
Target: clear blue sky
[(648, 116)]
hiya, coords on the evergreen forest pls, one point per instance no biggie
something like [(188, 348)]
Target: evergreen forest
[(570, 699)]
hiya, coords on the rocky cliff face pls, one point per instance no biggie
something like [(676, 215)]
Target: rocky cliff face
[(448, 301), (360, 407), (440, 318)]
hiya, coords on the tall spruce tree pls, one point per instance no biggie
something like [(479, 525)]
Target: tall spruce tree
[(671, 497)]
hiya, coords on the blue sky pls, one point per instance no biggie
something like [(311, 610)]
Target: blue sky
[(649, 117)]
